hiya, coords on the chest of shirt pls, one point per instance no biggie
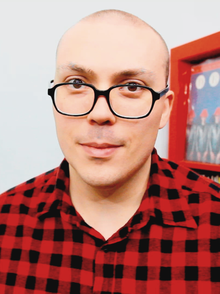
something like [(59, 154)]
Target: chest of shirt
[(57, 257)]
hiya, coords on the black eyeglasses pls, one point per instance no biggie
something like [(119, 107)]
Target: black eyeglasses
[(129, 101)]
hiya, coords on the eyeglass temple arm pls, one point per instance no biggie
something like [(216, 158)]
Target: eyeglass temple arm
[(164, 91), (51, 84)]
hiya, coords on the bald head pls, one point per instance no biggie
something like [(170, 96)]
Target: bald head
[(111, 14), (118, 19), (119, 15)]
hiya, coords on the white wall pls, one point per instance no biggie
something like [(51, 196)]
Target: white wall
[(29, 32)]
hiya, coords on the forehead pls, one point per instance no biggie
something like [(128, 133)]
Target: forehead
[(111, 46)]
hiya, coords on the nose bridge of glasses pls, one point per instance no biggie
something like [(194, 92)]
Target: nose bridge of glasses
[(104, 93)]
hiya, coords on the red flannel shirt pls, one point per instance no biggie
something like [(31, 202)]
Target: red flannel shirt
[(170, 245)]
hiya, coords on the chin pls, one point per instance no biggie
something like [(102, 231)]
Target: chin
[(102, 182)]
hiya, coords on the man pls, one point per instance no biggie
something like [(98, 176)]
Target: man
[(114, 217)]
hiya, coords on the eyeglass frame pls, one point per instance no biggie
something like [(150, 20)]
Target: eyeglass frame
[(97, 93)]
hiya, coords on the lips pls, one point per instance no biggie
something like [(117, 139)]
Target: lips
[(100, 150)]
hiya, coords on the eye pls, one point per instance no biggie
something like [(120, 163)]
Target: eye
[(76, 83), (132, 87)]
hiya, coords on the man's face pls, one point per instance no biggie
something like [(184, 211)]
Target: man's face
[(102, 149)]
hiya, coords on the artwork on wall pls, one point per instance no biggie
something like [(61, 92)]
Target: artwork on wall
[(203, 118), (194, 129)]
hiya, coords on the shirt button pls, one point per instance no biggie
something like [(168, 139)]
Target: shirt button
[(105, 249)]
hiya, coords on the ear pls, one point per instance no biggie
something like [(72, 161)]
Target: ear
[(167, 107)]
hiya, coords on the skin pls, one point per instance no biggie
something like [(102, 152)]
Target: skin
[(109, 157)]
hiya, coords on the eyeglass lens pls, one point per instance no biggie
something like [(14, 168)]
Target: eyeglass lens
[(129, 100)]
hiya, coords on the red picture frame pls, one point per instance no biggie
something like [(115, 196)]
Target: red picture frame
[(182, 59)]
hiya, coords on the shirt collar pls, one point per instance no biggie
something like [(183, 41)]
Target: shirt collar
[(55, 194), (164, 201), (167, 196)]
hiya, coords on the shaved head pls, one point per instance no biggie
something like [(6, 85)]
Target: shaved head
[(119, 17), (111, 13)]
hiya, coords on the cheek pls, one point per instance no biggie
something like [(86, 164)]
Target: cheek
[(65, 130), (143, 134)]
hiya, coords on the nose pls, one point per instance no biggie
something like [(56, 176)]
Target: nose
[(101, 113)]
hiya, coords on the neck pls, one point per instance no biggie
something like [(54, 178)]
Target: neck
[(107, 209)]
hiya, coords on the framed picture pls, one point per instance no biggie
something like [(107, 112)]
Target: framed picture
[(194, 130)]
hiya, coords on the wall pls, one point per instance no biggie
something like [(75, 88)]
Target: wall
[(29, 33)]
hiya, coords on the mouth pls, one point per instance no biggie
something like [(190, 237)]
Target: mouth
[(100, 150)]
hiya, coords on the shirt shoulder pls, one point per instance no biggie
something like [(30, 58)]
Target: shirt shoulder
[(178, 176), (192, 181), (33, 188), (182, 195)]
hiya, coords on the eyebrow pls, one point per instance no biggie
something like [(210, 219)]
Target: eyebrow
[(76, 68), (124, 73), (134, 72)]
